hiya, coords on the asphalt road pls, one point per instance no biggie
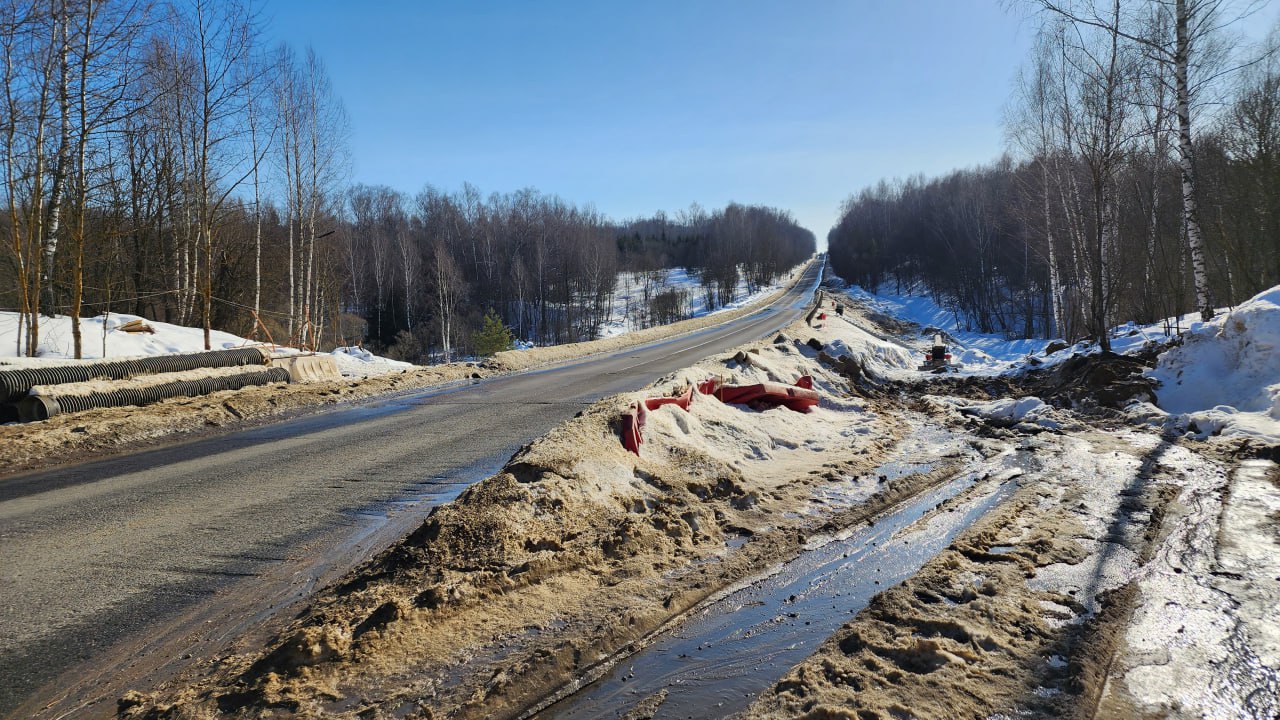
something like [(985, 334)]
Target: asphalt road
[(117, 573)]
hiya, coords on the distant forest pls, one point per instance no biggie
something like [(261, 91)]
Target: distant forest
[(159, 160), (1143, 182)]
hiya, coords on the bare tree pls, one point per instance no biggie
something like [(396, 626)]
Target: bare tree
[(220, 38), (1195, 24)]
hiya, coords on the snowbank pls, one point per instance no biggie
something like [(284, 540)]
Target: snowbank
[(56, 342), (358, 362), (1225, 377)]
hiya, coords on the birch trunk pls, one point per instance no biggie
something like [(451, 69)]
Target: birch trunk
[(1186, 165)]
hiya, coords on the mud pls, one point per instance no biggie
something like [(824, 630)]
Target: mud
[(1088, 384), (725, 652), (1022, 615)]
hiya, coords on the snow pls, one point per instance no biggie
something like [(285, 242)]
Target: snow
[(1225, 377), (56, 341), (629, 306), (1031, 410), (1189, 655), (57, 346), (973, 351), (872, 351), (358, 362)]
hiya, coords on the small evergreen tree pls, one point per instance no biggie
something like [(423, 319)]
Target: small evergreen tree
[(492, 337)]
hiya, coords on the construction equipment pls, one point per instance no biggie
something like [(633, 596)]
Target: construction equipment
[(937, 359)]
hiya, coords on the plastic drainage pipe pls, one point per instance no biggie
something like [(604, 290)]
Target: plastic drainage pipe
[(43, 407), (16, 383)]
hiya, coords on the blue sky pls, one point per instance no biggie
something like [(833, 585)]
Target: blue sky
[(643, 106)]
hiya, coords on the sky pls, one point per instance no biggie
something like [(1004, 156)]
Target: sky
[(636, 107)]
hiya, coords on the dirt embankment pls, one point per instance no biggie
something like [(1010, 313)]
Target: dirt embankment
[(575, 552)]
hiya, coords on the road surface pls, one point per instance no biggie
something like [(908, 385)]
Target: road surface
[(120, 572)]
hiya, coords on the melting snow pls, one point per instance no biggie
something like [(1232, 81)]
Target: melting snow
[(57, 346), (1225, 377)]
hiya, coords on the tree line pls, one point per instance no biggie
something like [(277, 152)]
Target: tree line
[(1142, 181), (160, 159), (424, 271)]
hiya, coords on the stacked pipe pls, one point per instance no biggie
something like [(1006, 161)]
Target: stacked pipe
[(16, 383), (43, 407)]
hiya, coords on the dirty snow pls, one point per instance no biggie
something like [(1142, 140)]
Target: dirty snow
[(358, 362), (1223, 379), (1015, 411), (1187, 652), (1249, 553)]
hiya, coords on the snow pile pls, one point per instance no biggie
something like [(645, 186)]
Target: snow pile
[(871, 351), (1225, 377), (57, 346), (358, 362), (56, 341), (1016, 411)]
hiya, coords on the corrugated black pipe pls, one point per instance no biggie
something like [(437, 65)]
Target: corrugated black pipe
[(43, 407), (16, 383)]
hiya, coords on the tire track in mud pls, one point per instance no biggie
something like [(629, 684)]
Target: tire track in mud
[(712, 661), (1031, 611)]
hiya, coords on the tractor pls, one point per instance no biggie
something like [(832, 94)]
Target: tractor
[(937, 360)]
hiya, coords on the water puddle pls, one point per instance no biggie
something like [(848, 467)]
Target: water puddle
[(714, 663)]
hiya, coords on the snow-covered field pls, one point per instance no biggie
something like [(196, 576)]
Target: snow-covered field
[(102, 338)]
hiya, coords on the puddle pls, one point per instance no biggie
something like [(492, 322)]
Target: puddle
[(714, 663)]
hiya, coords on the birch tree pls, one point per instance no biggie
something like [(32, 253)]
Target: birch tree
[(1194, 24)]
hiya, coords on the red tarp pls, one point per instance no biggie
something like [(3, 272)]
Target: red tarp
[(799, 397)]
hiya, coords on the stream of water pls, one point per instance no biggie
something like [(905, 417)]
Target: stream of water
[(715, 662)]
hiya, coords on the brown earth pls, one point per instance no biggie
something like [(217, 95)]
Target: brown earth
[(993, 626)]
